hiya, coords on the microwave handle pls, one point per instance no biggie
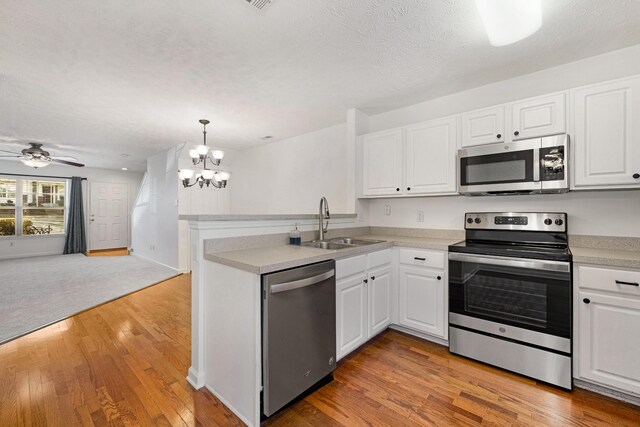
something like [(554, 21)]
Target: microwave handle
[(536, 165)]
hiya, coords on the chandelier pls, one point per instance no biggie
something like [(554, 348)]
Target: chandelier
[(201, 154)]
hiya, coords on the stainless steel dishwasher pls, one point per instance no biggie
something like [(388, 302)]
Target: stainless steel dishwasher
[(298, 332)]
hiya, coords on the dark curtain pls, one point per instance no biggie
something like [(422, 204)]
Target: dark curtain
[(76, 238)]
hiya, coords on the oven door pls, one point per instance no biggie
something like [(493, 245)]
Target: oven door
[(500, 168), (525, 300)]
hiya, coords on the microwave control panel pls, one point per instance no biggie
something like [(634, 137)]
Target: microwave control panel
[(552, 163)]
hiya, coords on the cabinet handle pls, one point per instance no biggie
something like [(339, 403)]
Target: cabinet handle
[(419, 258), (516, 133), (636, 175), (366, 281), (408, 188), (499, 135), (373, 277), (397, 189), (586, 301), (439, 278), (620, 282)]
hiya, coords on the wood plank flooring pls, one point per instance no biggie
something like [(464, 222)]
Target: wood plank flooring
[(124, 364)]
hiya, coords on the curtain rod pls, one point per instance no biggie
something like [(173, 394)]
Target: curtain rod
[(38, 176)]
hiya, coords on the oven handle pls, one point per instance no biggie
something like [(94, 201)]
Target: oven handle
[(534, 264)]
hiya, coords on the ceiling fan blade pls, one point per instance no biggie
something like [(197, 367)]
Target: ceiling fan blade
[(67, 158), (11, 152), (14, 156), (65, 162)]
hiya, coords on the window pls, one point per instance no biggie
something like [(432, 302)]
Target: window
[(37, 205)]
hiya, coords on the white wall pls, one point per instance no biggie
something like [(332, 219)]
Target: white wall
[(15, 247), (609, 66), (154, 220), (603, 213), (290, 176)]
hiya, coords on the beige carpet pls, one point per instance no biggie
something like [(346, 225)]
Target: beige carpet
[(38, 291)]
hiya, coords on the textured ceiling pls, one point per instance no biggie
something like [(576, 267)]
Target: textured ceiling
[(114, 77)]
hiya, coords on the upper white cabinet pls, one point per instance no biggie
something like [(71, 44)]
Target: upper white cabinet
[(382, 163), (483, 126), (538, 117), (430, 165), (529, 118), (606, 134), (415, 160)]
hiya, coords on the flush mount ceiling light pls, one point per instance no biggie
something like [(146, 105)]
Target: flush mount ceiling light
[(509, 21), (201, 154)]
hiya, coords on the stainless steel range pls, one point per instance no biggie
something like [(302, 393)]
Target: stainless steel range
[(510, 294)]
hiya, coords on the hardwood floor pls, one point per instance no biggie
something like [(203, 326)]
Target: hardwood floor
[(124, 363)]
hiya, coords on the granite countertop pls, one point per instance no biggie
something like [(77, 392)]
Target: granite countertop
[(606, 257), (275, 258)]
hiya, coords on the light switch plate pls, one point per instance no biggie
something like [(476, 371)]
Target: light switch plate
[(420, 216), (387, 210)]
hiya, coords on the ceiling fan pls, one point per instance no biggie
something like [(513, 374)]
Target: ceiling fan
[(36, 157)]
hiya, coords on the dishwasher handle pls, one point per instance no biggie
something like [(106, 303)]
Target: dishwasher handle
[(296, 284)]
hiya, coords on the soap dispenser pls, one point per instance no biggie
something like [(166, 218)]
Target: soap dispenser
[(294, 236)]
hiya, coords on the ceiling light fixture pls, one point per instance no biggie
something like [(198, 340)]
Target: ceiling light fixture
[(35, 162), (202, 154), (509, 21)]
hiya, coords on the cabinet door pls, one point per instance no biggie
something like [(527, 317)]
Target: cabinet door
[(609, 328), (379, 290), (483, 126), (538, 117), (606, 135), (431, 157), (351, 314), (382, 163), (421, 300)]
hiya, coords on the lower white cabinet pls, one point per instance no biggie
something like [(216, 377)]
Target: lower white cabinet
[(363, 299), (608, 327), (422, 291), (421, 303)]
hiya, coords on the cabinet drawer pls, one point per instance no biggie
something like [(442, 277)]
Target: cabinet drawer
[(349, 266), (422, 258), (604, 279), (379, 258)]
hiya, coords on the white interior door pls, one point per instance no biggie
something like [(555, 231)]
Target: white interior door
[(108, 216)]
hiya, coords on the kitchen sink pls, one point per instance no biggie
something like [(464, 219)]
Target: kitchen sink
[(327, 245), (340, 243), (354, 242)]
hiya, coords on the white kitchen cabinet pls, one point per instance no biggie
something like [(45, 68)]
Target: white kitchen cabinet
[(483, 126), (608, 327), (430, 165), (541, 116), (363, 299), (351, 314), (606, 135), (422, 304), (379, 292), (382, 163)]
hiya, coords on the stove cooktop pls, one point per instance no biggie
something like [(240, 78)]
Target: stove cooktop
[(516, 250)]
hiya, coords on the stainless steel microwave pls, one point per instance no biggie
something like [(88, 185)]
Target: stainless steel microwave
[(530, 166)]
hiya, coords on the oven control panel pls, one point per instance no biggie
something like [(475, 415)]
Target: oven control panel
[(526, 221)]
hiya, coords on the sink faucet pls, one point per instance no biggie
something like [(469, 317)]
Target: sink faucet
[(322, 215)]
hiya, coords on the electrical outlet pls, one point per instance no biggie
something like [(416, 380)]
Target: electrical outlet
[(387, 210), (420, 216)]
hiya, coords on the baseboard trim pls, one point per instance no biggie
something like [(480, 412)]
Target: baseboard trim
[(226, 403), (419, 334), (30, 255), (195, 378), (606, 391), (153, 261)]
